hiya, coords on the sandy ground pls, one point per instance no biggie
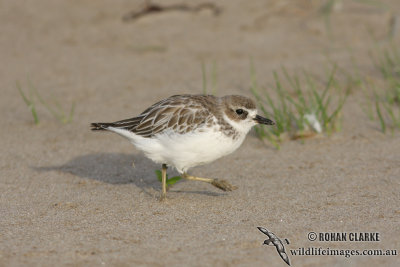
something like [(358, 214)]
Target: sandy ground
[(69, 196)]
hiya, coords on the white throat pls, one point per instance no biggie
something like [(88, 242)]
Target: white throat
[(242, 126)]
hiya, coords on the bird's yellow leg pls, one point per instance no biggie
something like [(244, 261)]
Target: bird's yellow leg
[(221, 184), (164, 182)]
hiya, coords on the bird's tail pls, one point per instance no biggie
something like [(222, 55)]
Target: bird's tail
[(100, 126), (127, 124)]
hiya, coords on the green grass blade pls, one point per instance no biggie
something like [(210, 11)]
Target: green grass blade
[(171, 181), (295, 84), (214, 78), (204, 75), (26, 100), (159, 175), (337, 110), (71, 113), (30, 104), (331, 80), (44, 103), (381, 120), (389, 111), (282, 98)]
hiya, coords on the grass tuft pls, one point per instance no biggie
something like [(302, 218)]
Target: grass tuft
[(297, 106), (55, 108), (30, 103), (328, 7), (383, 101), (213, 78)]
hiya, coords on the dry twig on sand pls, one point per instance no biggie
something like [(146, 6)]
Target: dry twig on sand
[(151, 8)]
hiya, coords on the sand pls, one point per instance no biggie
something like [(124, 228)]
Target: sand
[(69, 196)]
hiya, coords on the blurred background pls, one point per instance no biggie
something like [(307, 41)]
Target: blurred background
[(119, 52)]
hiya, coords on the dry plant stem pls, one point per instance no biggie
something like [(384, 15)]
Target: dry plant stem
[(221, 184), (151, 8), (164, 182)]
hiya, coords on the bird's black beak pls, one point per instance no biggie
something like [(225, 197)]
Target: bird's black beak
[(262, 120)]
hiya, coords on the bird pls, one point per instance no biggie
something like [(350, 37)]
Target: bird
[(273, 240), (184, 131)]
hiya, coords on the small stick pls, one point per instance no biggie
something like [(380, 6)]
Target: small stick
[(150, 8)]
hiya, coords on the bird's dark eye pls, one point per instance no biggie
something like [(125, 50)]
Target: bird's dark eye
[(239, 111)]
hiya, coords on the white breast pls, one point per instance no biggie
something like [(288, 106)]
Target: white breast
[(184, 151), (193, 149)]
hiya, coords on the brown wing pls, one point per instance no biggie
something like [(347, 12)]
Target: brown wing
[(181, 113)]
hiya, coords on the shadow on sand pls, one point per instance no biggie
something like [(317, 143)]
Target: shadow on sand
[(111, 168), (117, 168)]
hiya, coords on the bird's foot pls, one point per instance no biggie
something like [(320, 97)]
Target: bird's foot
[(163, 197), (223, 185)]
